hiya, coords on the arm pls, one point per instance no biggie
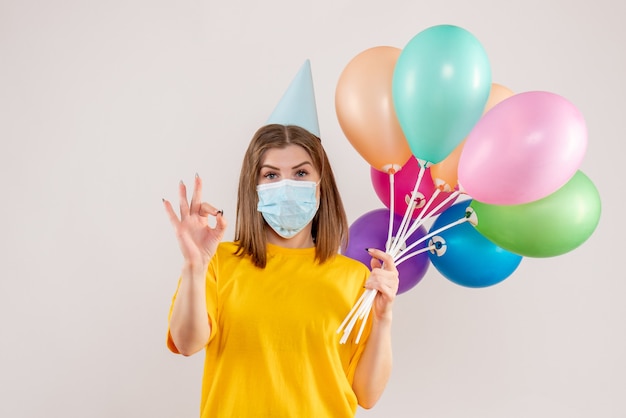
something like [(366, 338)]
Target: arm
[(189, 324), (374, 367)]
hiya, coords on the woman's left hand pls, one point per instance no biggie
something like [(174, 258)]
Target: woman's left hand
[(383, 278)]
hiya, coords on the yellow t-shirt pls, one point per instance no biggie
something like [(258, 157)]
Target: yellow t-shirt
[(274, 349)]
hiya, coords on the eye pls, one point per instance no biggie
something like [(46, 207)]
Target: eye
[(270, 175), (301, 173)]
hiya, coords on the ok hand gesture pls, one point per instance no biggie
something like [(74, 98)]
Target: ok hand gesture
[(197, 240)]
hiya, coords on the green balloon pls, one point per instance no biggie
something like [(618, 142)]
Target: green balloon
[(551, 226)]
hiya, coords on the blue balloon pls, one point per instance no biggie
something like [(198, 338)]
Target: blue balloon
[(464, 256)]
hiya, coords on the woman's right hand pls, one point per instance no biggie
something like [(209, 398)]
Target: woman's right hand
[(196, 238)]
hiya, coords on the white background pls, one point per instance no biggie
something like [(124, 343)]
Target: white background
[(105, 106)]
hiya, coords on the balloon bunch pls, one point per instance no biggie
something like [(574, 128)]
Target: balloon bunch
[(434, 127)]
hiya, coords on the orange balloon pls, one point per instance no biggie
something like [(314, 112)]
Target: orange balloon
[(445, 172), (497, 93), (365, 111)]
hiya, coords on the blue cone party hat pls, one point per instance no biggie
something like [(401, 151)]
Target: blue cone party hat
[(297, 106)]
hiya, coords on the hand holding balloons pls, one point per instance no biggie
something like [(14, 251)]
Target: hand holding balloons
[(370, 230)]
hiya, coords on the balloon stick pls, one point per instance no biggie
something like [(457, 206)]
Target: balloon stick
[(410, 207), (402, 259), (391, 208), (433, 233)]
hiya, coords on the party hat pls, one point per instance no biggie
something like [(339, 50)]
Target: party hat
[(297, 106)]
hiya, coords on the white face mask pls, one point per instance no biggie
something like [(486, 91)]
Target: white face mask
[(288, 205)]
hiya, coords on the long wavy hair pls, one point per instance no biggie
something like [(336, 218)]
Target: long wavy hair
[(330, 224)]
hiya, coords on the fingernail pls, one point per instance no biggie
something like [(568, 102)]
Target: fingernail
[(221, 212), (181, 183), (163, 199), (197, 175), (367, 249)]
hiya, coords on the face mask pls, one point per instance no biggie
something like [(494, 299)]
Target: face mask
[(287, 205)]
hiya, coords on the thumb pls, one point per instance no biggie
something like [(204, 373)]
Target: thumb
[(220, 221), (375, 263), (381, 258)]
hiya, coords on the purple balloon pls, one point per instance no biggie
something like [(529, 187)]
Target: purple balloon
[(371, 229)]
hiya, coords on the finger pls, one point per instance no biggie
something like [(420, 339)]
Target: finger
[(221, 223), (170, 213), (390, 287), (206, 210), (385, 259), (387, 288), (384, 292), (381, 279), (375, 263), (196, 197), (183, 203)]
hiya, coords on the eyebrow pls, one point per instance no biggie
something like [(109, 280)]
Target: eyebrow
[(293, 168)]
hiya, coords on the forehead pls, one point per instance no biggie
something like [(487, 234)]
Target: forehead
[(287, 157)]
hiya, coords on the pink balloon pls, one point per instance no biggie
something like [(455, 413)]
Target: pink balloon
[(404, 183), (525, 148)]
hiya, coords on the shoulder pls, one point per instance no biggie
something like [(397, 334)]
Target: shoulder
[(225, 250), (345, 262), (227, 247)]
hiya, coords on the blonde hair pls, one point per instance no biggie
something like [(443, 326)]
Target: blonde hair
[(330, 224)]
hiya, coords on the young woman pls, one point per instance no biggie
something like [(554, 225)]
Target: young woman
[(266, 307)]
